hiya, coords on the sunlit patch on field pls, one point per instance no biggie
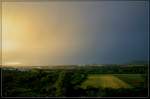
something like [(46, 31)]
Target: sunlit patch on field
[(105, 81)]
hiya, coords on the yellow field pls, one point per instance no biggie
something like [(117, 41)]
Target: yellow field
[(104, 81)]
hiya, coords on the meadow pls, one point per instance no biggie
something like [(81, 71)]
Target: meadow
[(114, 81)]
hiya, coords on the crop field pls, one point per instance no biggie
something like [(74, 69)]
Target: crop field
[(114, 81)]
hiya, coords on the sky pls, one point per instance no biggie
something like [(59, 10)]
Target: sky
[(56, 33)]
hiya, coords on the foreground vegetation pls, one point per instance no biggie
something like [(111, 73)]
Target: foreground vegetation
[(107, 81)]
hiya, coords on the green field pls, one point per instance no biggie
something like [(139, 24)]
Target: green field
[(114, 81), (132, 79)]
